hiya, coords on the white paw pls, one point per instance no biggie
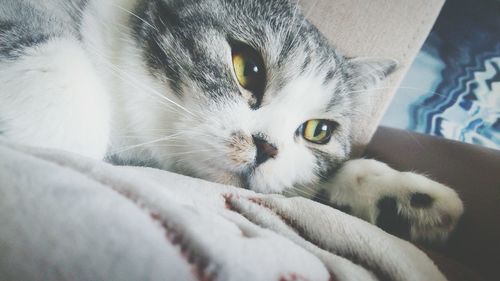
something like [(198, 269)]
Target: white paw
[(403, 203)]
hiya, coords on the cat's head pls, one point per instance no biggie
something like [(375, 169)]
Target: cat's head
[(269, 104)]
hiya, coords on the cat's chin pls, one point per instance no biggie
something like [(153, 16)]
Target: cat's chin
[(242, 180), (220, 176)]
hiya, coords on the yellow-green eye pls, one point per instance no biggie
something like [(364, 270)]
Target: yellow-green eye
[(249, 69), (317, 131)]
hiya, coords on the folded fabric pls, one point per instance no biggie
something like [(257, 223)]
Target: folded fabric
[(65, 217)]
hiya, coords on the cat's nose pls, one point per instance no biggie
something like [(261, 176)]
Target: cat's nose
[(265, 150)]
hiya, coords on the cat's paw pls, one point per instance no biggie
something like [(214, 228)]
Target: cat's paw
[(421, 209), (406, 204)]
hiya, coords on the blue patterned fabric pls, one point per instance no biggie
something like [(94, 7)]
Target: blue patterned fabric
[(453, 88)]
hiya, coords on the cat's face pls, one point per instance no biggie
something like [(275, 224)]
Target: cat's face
[(271, 104)]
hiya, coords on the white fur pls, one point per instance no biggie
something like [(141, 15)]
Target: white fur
[(361, 183), (52, 97)]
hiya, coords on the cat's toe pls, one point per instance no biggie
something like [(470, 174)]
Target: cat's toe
[(421, 200), (422, 211), (390, 220)]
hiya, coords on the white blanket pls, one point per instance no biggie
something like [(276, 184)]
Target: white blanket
[(64, 217)]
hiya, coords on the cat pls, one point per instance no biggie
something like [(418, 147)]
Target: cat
[(241, 92)]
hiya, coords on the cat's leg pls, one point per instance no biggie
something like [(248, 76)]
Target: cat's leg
[(51, 96), (403, 203)]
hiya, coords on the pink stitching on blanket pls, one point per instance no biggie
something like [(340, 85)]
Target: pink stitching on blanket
[(228, 204), (379, 272), (198, 263), (292, 277), (227, 201)]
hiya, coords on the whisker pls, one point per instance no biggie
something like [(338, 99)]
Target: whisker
[(136, 16), (142, 144), (299, 29), (141, 86), (296, 191), (421, 91)]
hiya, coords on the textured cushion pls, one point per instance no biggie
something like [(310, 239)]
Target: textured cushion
[(376, 28), (452, 89)]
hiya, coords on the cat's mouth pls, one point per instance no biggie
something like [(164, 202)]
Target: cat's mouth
[(245, 179), (244, 174), (241, 174)]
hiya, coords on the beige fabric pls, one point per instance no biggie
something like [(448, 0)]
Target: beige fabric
[(375, 28)]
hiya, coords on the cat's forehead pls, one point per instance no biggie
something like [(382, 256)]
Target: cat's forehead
[(272, 26), (276, 28)]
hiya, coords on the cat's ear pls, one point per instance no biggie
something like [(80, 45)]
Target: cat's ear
[(366, 73)]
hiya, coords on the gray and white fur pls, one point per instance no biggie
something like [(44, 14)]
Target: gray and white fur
[(153, 82)]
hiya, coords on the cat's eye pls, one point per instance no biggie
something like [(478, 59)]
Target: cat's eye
[(249, 69), (317, 131)]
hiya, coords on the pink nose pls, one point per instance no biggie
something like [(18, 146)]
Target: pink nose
[(265, 150)]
